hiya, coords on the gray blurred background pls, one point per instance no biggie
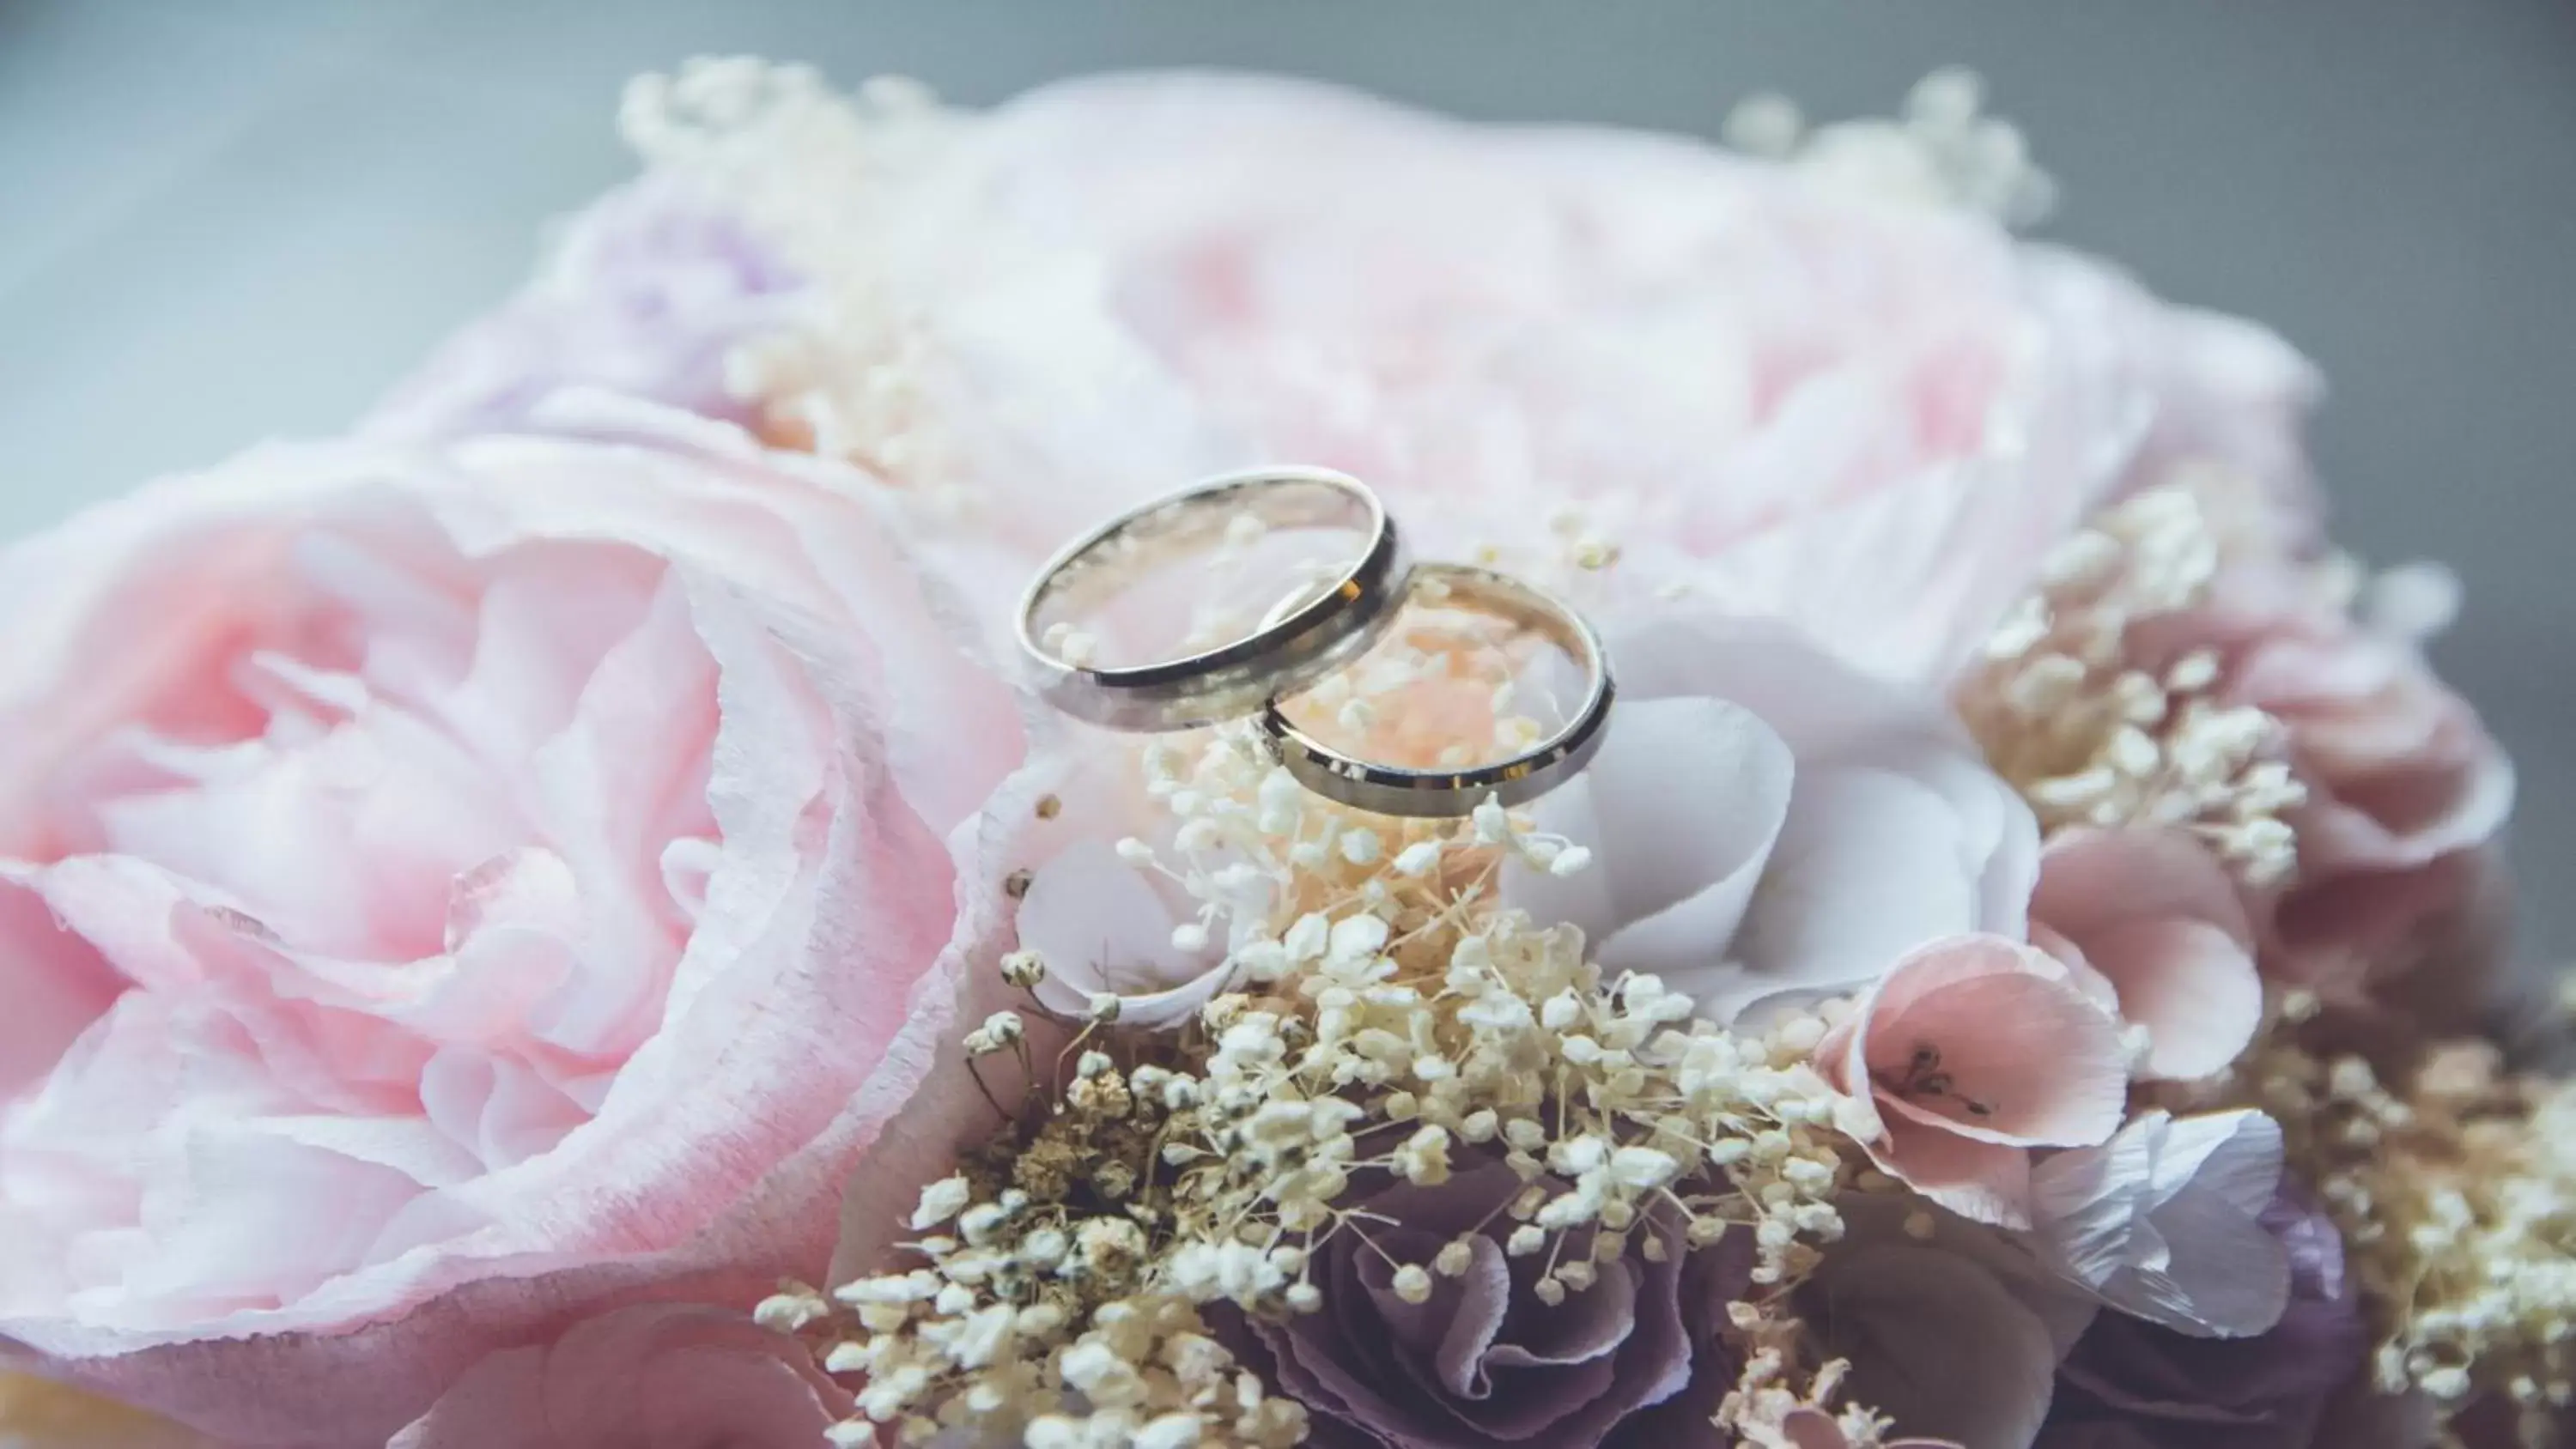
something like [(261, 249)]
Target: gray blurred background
[(222, 220)]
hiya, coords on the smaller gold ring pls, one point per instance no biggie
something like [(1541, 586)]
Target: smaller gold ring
[(1448, 792)]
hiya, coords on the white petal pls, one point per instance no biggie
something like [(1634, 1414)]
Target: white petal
[(1818, 705), (2234, 1155), (1684, 801), (2163, 1221), (1868, 867), (1101, 926)]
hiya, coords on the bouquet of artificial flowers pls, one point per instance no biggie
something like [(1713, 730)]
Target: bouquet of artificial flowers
[(601, 909)]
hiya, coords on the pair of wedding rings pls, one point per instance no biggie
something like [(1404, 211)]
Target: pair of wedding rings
[(1308, 638)]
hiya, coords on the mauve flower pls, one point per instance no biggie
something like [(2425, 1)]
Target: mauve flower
[(1967, 1054), (1954, 1333), (655, 1376), (1816, 1429), (1483, 1360), (2130, 1382), (645, 294), (1766, 822), (2154, 918), (443, 891), (1871, 420), (2164, 1221)]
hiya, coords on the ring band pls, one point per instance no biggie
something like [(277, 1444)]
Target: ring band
[(1283, 654), (1397, 790)]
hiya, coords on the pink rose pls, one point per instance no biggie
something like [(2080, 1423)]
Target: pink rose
[(1871, 420), (661, 1376), (447, 893), (1968, 1053), (2406, 790)]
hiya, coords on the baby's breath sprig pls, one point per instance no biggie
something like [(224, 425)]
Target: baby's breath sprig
[(1383, 1018), (2453, 1181), (2090, 735)]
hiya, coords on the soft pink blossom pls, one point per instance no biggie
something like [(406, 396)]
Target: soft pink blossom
[(2152, 917), (655, 1376), (443, 890), (1969, 1053), (1768, 824)]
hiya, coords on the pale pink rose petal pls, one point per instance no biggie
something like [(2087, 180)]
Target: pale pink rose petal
[(523, 868), (663, 1376)]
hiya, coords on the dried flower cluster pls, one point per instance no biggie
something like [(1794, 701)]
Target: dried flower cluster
[(851, 380), (2066, 711), (2454, 1182), (1941, 151)]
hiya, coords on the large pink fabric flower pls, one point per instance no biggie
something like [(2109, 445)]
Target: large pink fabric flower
[(1871, 420), (656, 1376), (444, 892), (1969, 1053)]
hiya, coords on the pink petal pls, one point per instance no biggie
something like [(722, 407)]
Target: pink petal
[(2192, 986), (2013, 1033), (2090, 878)]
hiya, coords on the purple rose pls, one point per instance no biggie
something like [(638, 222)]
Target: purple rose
[(2130, 1384), (647, 292), (1483, 1361)]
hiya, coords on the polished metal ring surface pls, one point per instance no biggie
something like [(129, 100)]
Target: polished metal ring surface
[(1396, 790), (1296, 645)]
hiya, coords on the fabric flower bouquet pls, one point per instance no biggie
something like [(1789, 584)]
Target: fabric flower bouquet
[(556, 919)]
